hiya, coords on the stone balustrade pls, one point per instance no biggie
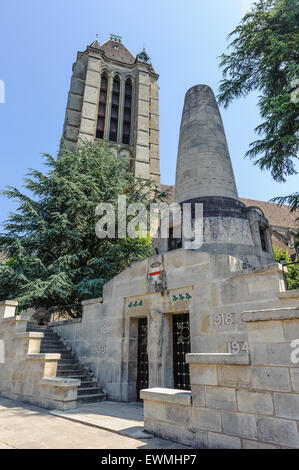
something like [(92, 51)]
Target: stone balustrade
[(25, 373)]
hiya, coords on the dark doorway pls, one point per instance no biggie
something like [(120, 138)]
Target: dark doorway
[(181, 347), (142, 358)]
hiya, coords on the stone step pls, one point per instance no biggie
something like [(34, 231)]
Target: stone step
[(54, 349), (82, 377), (76, 366), (88, 383), (49, 344), (91, 398), (69, 362), (69, 366), (83, 391), (63, 356), (70, 372)]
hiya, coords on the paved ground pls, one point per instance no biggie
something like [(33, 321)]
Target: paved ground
[(123, 418), (29, 427)]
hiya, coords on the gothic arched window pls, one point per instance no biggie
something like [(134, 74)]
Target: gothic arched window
[(127, 112), (114, 109), (102, 107)]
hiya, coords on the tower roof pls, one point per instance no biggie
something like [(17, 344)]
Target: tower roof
[(115, 50)]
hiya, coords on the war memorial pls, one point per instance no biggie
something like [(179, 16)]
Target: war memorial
[(205, 337)]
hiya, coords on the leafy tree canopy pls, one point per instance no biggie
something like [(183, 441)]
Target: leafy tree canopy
[(54, 255), (265, 58), (292, 277)]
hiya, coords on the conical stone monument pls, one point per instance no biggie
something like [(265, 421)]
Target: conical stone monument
[(204, 174)]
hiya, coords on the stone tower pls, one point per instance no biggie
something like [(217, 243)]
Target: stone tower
[(114, 98)]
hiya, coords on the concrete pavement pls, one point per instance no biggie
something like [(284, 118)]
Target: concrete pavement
[(24, 426)]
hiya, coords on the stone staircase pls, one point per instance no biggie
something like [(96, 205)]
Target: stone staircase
[(68, 365)]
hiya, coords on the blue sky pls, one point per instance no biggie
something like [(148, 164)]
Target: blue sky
[(39, 41)]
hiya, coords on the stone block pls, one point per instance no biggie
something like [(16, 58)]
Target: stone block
[(143, 123), (154, 165), (91, 94), (220, 397), (143, 92), (73, 118), (154, 106), (74, 102), (142, 108), (238, 376), (89, 111), (295, 378), (222, 441), (271, 354), (240, 424), (167, 430), (93, 78), (203, 374), (265, 332), (286, 405), (193, 438), (143, 78), (255, 402), (71, 133), (278, 431), (149, 424), (142, 137), (77, 86), (291, 329), (154, 122), (271, 378), (88, 126), (154, 136), (247, 444), (198, 395), (205, 418), (178, 414), (166, 395), (154, 410), (8, 309)]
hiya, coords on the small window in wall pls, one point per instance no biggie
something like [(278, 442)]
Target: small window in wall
[(102, 107), (127, 112), (263, 238), (114, 109)]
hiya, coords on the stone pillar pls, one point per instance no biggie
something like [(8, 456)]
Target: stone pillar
[(141, 167), (158, 349), (154, 131), (108, 108), (74, 105), (8, 309)]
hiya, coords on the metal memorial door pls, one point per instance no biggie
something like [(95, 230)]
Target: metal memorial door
[(142, 358), (181, 347)]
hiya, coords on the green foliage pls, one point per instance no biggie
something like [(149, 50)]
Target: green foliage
[(54, 255), (265, 58), (293, 271)]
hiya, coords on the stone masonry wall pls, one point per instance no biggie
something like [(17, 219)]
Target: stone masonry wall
[(219, 291), (25, 374), (237, 401)]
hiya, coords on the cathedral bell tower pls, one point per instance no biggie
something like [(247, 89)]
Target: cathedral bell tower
[(114, 98)]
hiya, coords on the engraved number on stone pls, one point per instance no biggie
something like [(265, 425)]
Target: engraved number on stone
[(222, 319), (236, 347)]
